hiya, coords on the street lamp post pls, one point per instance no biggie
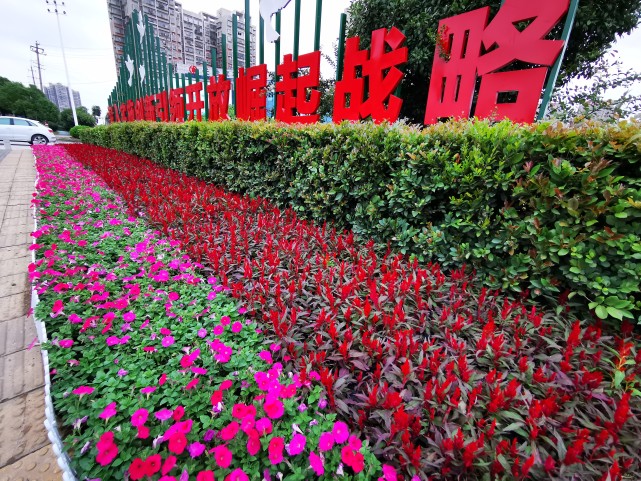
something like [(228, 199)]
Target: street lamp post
[(64, 58)]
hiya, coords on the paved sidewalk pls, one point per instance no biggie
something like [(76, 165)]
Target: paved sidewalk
[(25, 450)]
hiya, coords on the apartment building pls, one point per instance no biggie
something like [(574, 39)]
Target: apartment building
[(186, 37), (59, 95), (225, 26)]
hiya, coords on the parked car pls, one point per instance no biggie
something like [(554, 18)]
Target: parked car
[(16, 129)]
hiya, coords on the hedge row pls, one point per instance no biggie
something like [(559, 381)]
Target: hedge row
[(547, 208)]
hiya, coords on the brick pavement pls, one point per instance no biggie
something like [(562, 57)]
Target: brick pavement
[(25, 450)]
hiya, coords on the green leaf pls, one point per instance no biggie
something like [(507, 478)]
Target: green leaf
[(619, 376)]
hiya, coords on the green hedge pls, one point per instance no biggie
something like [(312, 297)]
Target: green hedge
[(76, 129), (540, 207)]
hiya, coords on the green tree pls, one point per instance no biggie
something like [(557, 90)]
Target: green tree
[(597, 25), (84, 118), (607, 96), (29, 102), (95, 111)]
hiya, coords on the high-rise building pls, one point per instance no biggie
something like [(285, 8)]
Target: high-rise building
[(59, 95), (186, 37), (225, 26)]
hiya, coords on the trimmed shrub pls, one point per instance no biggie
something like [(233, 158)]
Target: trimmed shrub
[(76, 129), (551, 209)]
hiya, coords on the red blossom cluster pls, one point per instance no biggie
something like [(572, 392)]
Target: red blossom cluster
[(443, 377)]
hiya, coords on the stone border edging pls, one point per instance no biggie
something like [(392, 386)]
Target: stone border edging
[(50, 418)]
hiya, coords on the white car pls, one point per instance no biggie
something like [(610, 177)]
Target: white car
[(15, 129)]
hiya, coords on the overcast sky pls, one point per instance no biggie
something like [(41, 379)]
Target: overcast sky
[(87, 41)]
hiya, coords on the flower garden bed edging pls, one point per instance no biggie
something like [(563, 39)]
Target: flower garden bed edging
[(156, 373), (445, 378), (50, 423)]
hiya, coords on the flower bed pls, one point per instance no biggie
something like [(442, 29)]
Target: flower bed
[(156, 372), (445, 379)]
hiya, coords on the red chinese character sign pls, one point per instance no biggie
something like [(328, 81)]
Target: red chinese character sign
[(297, 95), (251, 95), (379, 66), (218, 95), (469, 47), (487, 67)]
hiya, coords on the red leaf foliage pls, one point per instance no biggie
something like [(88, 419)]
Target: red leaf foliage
[(443, 377)]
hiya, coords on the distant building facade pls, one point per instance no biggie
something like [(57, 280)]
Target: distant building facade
[(186, 37), (59, 95)]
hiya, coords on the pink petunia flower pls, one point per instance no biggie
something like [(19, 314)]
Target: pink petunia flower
[(66, 343), (82, 390), (222, 455), (326, 442), (297, 444), (274, 408), (236, 327), (167, 341), (129, 316), (192, 384), (316, 463), (109, 411), (163, 415), (253, 442), (389, 473), (148, 389), (275, 449), (139, 417), (266, 356), (229, 432), (340, 432), (195, 449), (263, 426), (218, 330), (237, 475)]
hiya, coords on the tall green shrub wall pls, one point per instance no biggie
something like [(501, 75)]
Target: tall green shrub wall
[(544, 207)]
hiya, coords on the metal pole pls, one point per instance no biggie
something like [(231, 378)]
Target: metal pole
[(64, 60), (225, 55), (38, 50), (248, 57), (234, 42), (554, 73), (296, 28), (234, 33), (277, 42), (341, 47), (205, 90), (261, 40), (317, 31)]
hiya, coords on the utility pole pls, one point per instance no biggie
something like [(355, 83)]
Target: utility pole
[(64, 57), (38, 51), (33, 77)]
